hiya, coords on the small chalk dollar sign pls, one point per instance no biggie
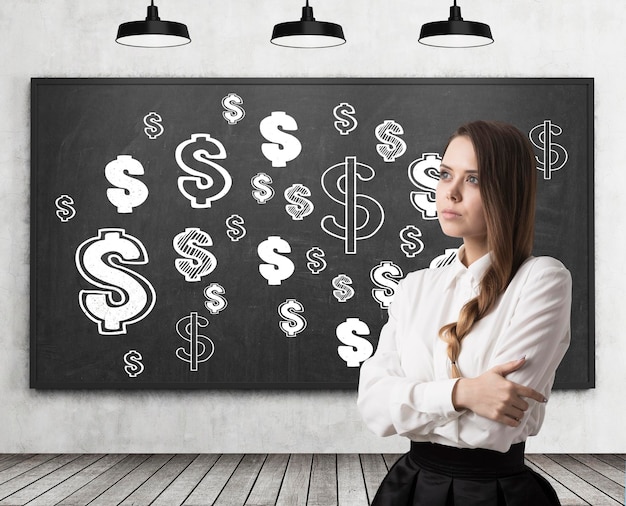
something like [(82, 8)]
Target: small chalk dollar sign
[(283, 147), (134, 366), (200, 347), (411, 244), (215, 303), (316, 263), (293, 322), (197, 261), (234, 113), (346, 122), (153, 128), (386, 276), (65, 208), (343, 290), (357, 349), (278, 267), (392, 146), (262, 190), (299, 206), (236, 230)]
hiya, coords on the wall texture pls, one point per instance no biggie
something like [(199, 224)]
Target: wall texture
[(72, 38)]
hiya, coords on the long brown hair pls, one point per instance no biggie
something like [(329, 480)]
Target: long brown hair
[(507, 175)]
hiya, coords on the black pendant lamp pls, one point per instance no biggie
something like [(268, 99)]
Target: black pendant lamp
[(152, 32), (308, 33), (455, 32)]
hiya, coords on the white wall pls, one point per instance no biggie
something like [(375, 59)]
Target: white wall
[(75, 38)]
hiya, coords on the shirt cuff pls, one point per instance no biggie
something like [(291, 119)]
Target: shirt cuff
[(437, 398)]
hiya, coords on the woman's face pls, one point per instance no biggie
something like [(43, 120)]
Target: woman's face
[(459, 205)]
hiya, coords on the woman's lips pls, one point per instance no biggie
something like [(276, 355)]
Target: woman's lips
[(449, 214)]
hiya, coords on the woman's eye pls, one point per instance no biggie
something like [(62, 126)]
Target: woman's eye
[(444, 174), (472, 180)]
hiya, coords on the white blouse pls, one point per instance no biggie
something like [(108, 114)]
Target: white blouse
[(405, 387)]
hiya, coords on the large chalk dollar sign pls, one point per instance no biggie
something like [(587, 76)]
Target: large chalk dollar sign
[(346, 122), (198, 262), (206, 181), (357, 349), (424, 173), (554, 156), (385, 276), (363, 216), (233, 113), (200, 347), (293, 322), (130, 192), (279, 267), (283, 147), (392, 146), (124, 297), (299, 206)]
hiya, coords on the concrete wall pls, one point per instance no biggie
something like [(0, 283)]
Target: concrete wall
[(75, 38)]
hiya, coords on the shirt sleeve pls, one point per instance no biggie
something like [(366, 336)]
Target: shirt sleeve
[(539, 330), (389, 402)]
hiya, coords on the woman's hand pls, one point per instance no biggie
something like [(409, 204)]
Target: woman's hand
[(493, 396)]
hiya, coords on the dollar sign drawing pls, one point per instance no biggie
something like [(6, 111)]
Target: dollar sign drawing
[(363, 216), (236, 230), (299, 206), (198, 262), (424, 173), (293, 322), (215, 303), (262, 190), (357, 349), (153, 128), (65, 208), (392, 146), (234, 113), (194, 156), (346, 122), (283, 147), (200, 348), (134, 366), (446, 259), (124, 297), (411, 244), (129, 192), (279, 267), (554, 156), (316, 263), (343, 291), (386, 276)]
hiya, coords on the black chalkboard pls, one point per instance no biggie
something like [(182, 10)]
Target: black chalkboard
[(249, 233)]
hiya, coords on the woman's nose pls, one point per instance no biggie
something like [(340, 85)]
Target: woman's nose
[(453, 195)]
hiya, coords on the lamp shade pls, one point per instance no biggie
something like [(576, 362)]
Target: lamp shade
[(152, 32), (308, 33), (455, 32)]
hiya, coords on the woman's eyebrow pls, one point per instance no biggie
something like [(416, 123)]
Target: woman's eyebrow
[(443, 165)]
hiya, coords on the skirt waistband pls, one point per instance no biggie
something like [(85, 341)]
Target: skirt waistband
[(469, 463)]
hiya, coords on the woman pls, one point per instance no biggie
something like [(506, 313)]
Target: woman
[(466, 361)]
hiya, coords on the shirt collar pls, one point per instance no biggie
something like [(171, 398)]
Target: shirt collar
[(476, 270)]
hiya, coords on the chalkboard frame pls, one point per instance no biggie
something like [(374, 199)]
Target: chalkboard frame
[(36, 85)]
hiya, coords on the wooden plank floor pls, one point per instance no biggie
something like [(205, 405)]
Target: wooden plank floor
[(258, 480)]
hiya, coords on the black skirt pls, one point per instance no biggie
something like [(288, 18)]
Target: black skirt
[(437, 475)]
